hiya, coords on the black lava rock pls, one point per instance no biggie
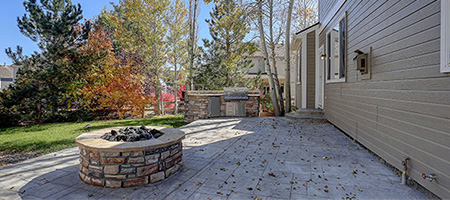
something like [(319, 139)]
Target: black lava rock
[(132, 134)]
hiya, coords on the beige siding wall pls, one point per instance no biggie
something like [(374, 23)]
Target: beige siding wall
[(298, 96), (324, 7), (311, 70), (404, 109)]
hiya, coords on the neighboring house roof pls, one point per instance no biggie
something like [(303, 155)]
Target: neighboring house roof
[(279, 52), (305, 29), (9, 71)]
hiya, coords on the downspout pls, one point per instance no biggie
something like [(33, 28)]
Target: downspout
[(405, 169)]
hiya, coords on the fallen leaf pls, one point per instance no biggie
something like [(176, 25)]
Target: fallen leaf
[(220, 193), (222, 168), (238, 163), (349, 148), (11, 187), (250, 188), (272, 174), (325, 158), (325, 190), (90, 195), (198, 184), (23, 191)]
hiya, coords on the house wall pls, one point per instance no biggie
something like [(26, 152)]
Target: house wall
[(281, 68), (311, 70), (403, 110), (324, 7), (5, 82)]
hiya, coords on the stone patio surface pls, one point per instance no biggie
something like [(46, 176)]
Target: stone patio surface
[(233, 158)]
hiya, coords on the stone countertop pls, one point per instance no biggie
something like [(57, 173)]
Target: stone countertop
[(92, 140)]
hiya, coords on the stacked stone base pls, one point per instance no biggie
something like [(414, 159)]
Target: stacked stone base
[(115, 169)]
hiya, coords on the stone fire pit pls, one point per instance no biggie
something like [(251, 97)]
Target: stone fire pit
[(125, 164)]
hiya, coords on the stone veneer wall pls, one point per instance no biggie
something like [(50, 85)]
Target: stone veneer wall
[(196, 103), (114, 169)]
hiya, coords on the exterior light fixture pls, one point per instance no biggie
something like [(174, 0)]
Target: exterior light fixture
[(323, 57)]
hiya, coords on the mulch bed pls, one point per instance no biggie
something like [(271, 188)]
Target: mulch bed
[(12, 158)]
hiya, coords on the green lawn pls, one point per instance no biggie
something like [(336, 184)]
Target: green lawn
[(53, 137)]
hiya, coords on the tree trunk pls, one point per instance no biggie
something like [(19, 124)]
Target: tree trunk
[(278, 91), (287, 82), (192, 27), (175, 87), (266, 55), (162, 103)]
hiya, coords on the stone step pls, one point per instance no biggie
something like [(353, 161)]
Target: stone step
[(306, 118), (310, 112)]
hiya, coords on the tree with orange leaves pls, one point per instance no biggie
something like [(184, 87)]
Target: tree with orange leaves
[(111, 83)]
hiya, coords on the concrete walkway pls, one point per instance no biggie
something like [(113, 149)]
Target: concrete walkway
[(251, 158)]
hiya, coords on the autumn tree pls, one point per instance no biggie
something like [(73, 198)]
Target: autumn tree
[(273, 95), (287, 53), (139, 30), (109, 82), (177, 45)]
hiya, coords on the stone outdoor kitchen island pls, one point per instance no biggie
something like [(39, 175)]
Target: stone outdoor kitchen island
[(116, 164)]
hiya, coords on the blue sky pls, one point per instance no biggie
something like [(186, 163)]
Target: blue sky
[(10, 35)]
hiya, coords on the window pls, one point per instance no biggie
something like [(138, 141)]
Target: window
[(261, 66), (445, 36), (336, 52)]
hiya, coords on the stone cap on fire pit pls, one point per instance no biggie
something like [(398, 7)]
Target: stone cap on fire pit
[(91, 140)]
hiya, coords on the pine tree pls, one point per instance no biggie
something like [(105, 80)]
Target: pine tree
[(54, 25), (224, 61)]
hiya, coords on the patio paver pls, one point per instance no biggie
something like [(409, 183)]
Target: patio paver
[(232, 158)]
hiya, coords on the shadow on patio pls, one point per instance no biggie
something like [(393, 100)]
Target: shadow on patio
[(231, 159)]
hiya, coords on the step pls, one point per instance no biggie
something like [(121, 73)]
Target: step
[(306, 118), (310, 112)]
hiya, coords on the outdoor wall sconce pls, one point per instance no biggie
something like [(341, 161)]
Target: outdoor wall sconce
[(361, 61), (323, 57)]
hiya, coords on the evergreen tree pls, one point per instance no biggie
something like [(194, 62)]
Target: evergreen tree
[(54, 25), (224, 62)]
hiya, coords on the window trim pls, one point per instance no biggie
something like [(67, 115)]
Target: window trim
[(298, 66), (445, 36), (327, 50)]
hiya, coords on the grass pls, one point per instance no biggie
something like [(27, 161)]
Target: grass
[(47, 138)]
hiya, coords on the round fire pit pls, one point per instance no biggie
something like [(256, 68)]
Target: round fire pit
[(125, 164)]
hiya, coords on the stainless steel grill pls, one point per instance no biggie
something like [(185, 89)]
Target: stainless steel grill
[(236, 93)]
